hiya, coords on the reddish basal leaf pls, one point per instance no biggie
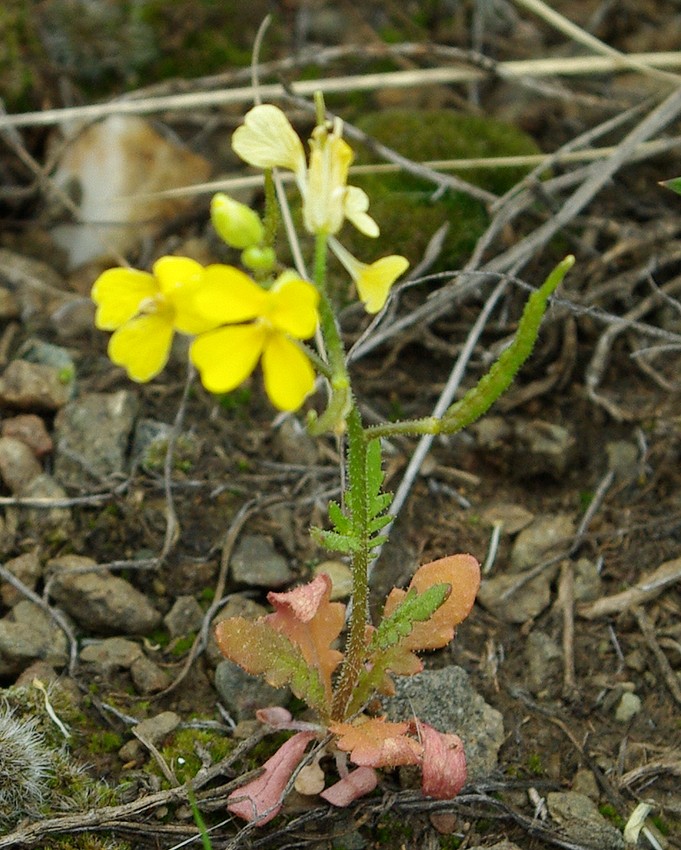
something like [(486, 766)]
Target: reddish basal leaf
[(312, 622), (262, 798), (377, 743), (462, 574), (361, 781), (443, 769)]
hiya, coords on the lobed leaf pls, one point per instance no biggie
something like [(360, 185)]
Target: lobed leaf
[(311, 622), (462, 574), (261, 650), (377, 743), (414, 607)]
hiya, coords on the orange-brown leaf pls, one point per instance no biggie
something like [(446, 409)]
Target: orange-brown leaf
[(311, 622), (462, 574), (377, 743)]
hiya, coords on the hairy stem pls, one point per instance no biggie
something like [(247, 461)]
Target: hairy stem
[(356, 642)]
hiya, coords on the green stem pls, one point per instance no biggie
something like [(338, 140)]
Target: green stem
[(337, 409), (355, 650), (482, 396)]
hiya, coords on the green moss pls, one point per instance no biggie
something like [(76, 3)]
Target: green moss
[(85, 841), (180, 646), (450, 842), (18, 50), (188, 747), (393, 830), (105, 741), (534, 764), (610, 812), (404, 206)]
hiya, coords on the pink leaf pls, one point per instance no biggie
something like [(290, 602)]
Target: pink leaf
[(262, 798), (361, 781), (274, 715), (444, 762)]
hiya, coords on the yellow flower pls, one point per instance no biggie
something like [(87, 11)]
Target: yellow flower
[(144, 310), (267, 139), (373, 280), (257, 323)]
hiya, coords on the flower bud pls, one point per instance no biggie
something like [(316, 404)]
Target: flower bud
[(238, 225), (259, 260)]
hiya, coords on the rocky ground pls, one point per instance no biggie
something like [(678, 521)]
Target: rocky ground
[(135, 517)]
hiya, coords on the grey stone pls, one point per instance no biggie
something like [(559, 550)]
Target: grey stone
[(546, 448), (581, 821), (184, 617), (295, 445), (48, 519), (92, 435), (511, 517), (155, 729), (112, 652), (524, 603), (242, 694), (584, 782), (29, 634), (38, 351), (30, 429), (588, 583), (256, 562), (99, 601), (152, 730), (27, 569), (544, 537), (628, 707), (341, 578), (544, 658), (623, 459), (148, 677), (18, 465), (33, 386), (447, 701)]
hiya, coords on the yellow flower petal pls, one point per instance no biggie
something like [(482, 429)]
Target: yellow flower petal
[(118, 294), (356, 206), (227, 296), (142, 346), (292, 306), (289, 376), (227, 356), (266, 139), (324, 201), (375, 280), (176, 273), (180, 278)]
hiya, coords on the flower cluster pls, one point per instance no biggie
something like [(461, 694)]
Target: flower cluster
[(234, 322), (266, 139)]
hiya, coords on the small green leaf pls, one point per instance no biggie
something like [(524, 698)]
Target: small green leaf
[(341, 523), (674, 184), (345, 543), (415, 608)]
